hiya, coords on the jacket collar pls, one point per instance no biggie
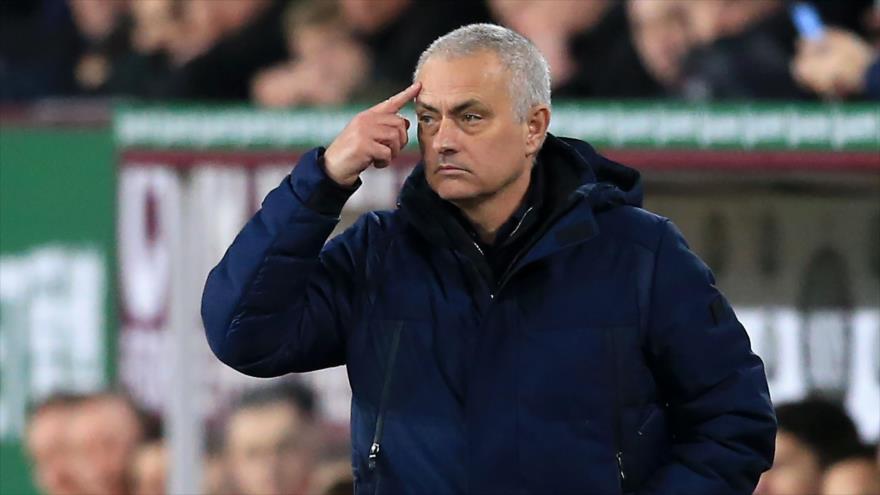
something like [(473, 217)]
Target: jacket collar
[(577, 183)]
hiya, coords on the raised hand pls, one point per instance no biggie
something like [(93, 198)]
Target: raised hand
[(373, 137)]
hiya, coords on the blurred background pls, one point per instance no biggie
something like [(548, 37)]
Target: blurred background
[(137, 137)]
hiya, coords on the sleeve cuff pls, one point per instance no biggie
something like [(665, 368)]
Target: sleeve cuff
[(315, 189)]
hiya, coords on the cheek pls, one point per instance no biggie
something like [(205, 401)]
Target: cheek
[(424, 143), (496, 158)]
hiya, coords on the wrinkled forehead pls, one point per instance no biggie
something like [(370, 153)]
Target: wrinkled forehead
[(448, 80)]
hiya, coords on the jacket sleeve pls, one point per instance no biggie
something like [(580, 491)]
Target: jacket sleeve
[(279, 299), (722, 421)]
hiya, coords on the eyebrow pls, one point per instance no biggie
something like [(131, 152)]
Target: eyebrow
[(456, 109)]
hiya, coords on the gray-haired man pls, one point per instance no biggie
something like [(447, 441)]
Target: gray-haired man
[(518, 324)]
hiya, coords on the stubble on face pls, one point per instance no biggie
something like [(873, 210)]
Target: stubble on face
[(472, 142)]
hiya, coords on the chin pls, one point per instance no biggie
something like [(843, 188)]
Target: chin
[(455, 190)]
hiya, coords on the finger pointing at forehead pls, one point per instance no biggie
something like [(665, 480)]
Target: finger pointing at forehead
[(396, 102)]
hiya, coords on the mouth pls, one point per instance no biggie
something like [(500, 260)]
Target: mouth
[(450, 169)]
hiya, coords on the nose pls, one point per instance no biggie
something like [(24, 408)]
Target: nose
[(445, 139)]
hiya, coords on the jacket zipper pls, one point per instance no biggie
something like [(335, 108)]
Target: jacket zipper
[(508, 272), (618, 426), (480, 250), (375, 448)]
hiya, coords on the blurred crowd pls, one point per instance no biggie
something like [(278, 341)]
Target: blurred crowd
[(284, 53), (818, 451), (271, 441)]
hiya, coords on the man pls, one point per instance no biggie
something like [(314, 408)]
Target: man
[(48, 445), (270, 440), (518, 324), (814, 434), (105, 431)]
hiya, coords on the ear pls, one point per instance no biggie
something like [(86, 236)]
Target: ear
[(537, 122)]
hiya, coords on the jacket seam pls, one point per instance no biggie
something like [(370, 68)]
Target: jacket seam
[(656, 257)]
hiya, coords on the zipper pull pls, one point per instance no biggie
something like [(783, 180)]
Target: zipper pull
[(374, 454), (620, 464)]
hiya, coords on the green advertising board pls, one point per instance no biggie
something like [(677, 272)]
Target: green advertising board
[(57, 200), (652, 125)]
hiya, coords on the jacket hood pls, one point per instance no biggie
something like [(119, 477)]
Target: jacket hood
[(604, 182)]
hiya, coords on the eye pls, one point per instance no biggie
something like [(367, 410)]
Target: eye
[(426, 119), (470, 118)]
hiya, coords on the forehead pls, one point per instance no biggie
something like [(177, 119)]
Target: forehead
[(480, 75), (48, 425), (256, 423)]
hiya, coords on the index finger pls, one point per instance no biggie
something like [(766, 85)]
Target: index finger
[(396, 102)]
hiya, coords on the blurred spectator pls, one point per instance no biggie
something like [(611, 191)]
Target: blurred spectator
[(396, 31), (344, 50), (813, 435), (853, 476), (105, 430), (271, 437), (223, 44), (329, 65), (148, 470), (587, 45), (742, 50), (48, 444), (551, 27), (662, 39), (840, 65), (104, 28), (153, 27)]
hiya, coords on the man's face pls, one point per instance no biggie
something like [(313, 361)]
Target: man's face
[(49, 446), (795, 469), (104, 433), (269, 450), (472, 143)]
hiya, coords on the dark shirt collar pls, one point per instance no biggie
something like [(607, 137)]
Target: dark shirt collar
[(518, 223)]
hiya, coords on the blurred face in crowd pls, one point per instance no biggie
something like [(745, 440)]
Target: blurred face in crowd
[(96, 19), (369, 16), (852, 477), (550, 26), (48, 444), (660, 37), (154, 25), (474, 145), (795, 470), (269, 449), (104, 432), (149, 467)]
